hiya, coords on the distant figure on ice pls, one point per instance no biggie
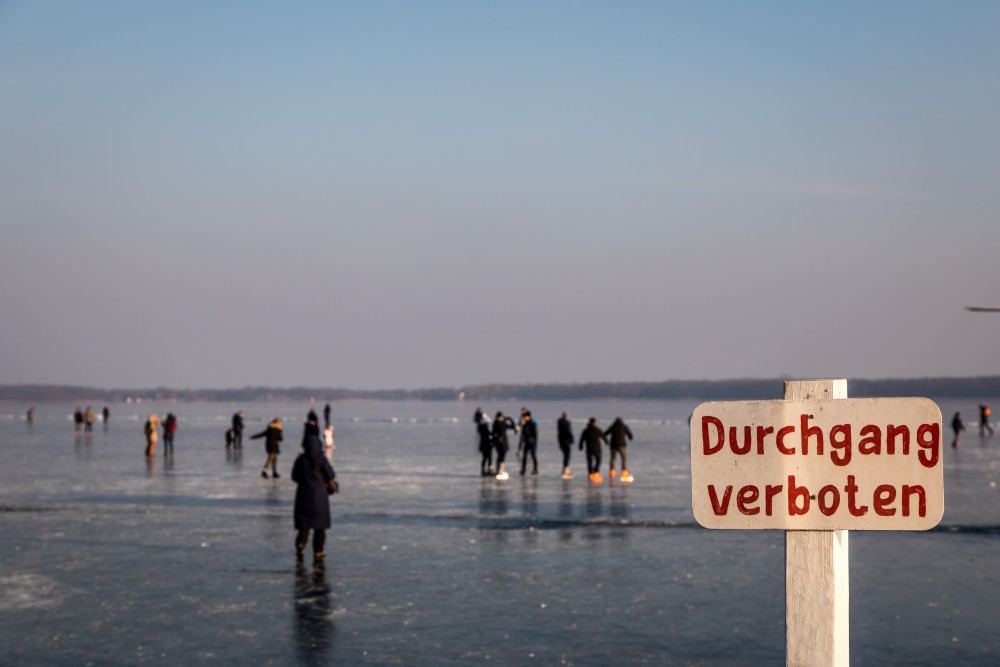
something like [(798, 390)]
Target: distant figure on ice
[(326, 415), (328, 443), (31, 415), (169, 428), (88, 420), (316, 481), (528, 444), (984, 421), (565, 435), (105, 416), (271, 447), (485, 444), (501, 425), (620, 435), (151, 427), (957, 426), (77, 420), (592, 437), (238, 429)]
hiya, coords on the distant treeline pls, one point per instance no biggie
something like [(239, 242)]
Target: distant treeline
[(745, 389)]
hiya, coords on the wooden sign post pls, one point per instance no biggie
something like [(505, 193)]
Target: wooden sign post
[(816, 465)]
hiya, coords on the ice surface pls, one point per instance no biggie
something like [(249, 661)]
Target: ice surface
[(110, 559)]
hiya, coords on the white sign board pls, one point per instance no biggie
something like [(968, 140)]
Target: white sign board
[(834, 464)]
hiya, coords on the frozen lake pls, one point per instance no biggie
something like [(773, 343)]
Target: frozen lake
[(109, 559)]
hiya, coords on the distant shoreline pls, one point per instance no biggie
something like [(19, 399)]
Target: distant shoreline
[(737, 389)]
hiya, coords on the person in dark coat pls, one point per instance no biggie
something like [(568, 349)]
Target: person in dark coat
[(957, 425), (311, 472), (238, 429), (565, 435), (169, 429), (485, 445), (529, 442), (592, 436), (620, 435), (271, 446), (501, 425)]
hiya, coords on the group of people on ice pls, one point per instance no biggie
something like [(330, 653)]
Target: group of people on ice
[(493, 437)]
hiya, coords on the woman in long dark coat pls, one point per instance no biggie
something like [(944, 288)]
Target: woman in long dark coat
[(312, 501)]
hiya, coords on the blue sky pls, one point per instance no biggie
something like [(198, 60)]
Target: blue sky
[(412, 194)]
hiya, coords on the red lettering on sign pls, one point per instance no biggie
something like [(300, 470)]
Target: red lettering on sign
[(840, 441), (717, 423), (720, 509), (828, 508), (782, 432), (884, 495), (794, 494), (763, 432), (748, 495), (770, 491), (929, 439), (892, 432), (871, 440), (918, 491), (809, 431), (733, 441), (852, 492)]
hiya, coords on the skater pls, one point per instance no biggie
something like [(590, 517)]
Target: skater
[(77, 421), (485, 445), (316, 481), (152, 425), (592, 437), (957, 425), (238, 430), (565, 431), (229, 438), (501, 425), (528, 443), (271, 446), (105, 416), (984, 421), (31, 415), (326, 415), (620, 435), (169, 428), (88, 420)]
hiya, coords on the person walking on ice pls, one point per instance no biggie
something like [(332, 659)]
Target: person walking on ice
[(565, 435), (592, 437), (984, 421), (316, 481), (272, 448), (620, 435)]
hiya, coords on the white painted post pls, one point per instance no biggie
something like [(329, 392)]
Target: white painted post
[(817, 617)]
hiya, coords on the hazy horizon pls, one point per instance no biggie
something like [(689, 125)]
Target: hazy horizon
[(442, 194)]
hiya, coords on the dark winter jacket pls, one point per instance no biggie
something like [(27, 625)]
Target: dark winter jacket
[(529, 434), (485, 439), (592, 437), (565, 433), (500, 427), (273, 435), (311, 471), (619, 432)]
